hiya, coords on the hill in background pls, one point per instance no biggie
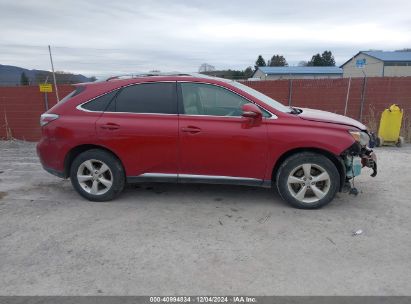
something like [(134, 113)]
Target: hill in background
[(11, 76)]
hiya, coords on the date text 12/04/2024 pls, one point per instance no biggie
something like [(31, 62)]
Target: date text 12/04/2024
[(203, 299)]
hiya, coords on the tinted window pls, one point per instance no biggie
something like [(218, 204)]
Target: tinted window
[(100, 103), (157, 97)]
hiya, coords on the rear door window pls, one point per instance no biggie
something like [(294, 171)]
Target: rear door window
[(158, 97)]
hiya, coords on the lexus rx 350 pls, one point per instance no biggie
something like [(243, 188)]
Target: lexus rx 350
[(197, 129)]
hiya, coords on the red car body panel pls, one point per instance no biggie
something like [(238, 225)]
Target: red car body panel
[(222, 146), (185, 144), (59, 137), (287, 135), (323, 116), (145, 143)]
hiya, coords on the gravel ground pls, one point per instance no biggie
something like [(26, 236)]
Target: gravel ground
[(161, 239)]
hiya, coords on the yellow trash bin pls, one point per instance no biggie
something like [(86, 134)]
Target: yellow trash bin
[(390, 126)]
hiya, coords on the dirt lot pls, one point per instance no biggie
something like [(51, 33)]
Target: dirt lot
[(201, 239)]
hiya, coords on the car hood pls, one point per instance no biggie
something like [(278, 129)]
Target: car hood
[(324, 116)]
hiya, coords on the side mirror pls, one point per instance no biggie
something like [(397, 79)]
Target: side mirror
[(250, 110)]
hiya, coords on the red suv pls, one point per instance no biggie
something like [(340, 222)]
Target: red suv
[(198, 129)]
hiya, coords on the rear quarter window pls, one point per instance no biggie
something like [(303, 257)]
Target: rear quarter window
[(101, 103)]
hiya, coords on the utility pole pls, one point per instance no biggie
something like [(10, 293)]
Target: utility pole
[(364, 86), (46, 101), (346, 98), (54, 76)]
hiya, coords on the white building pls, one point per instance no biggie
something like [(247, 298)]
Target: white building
[(378, 64), (312, 72)]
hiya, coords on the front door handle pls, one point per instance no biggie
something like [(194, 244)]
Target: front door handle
[(110, 126), (190, 129)]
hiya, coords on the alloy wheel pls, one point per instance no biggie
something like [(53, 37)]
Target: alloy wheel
[(95, 177), (309, 183)]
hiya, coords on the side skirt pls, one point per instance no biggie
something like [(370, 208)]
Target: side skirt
[(153, 178), (198, 179)]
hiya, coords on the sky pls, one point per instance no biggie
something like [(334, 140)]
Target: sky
[(105, 38)]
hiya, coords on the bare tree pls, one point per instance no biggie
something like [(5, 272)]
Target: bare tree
[(205, 67)]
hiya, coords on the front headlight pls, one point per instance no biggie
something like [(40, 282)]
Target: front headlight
[(362, 137)]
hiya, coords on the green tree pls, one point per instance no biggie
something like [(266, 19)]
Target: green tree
[(24, 80), (316, 60), (328, 58), (260, 62), (325, 59), (278, 60)]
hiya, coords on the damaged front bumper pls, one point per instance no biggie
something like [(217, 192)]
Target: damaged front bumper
[(369, 159), (357, 157)]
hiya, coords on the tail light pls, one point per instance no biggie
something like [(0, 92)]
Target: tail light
[(47, 118)]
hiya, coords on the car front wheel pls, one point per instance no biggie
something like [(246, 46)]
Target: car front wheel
[(97, 175), (308, 180)]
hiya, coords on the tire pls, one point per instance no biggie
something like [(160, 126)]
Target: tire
[(296, 180), (105, 183)]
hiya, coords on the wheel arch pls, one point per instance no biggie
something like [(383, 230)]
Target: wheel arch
[(337, 161), (75, 151)]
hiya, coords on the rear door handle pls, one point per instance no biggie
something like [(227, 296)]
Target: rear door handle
[(191, 130), (110, 126)]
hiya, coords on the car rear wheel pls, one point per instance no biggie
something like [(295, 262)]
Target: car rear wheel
[(97, 175), (307, 180)]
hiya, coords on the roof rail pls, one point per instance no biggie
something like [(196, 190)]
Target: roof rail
[(130, 76), (139, 75)]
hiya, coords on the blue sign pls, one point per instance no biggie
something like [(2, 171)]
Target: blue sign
[(360, 63)]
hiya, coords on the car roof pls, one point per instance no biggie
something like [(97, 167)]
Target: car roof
[(102, 87), (125, 80)]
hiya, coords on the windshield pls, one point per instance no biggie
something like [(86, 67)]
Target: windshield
[(264, 98)]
